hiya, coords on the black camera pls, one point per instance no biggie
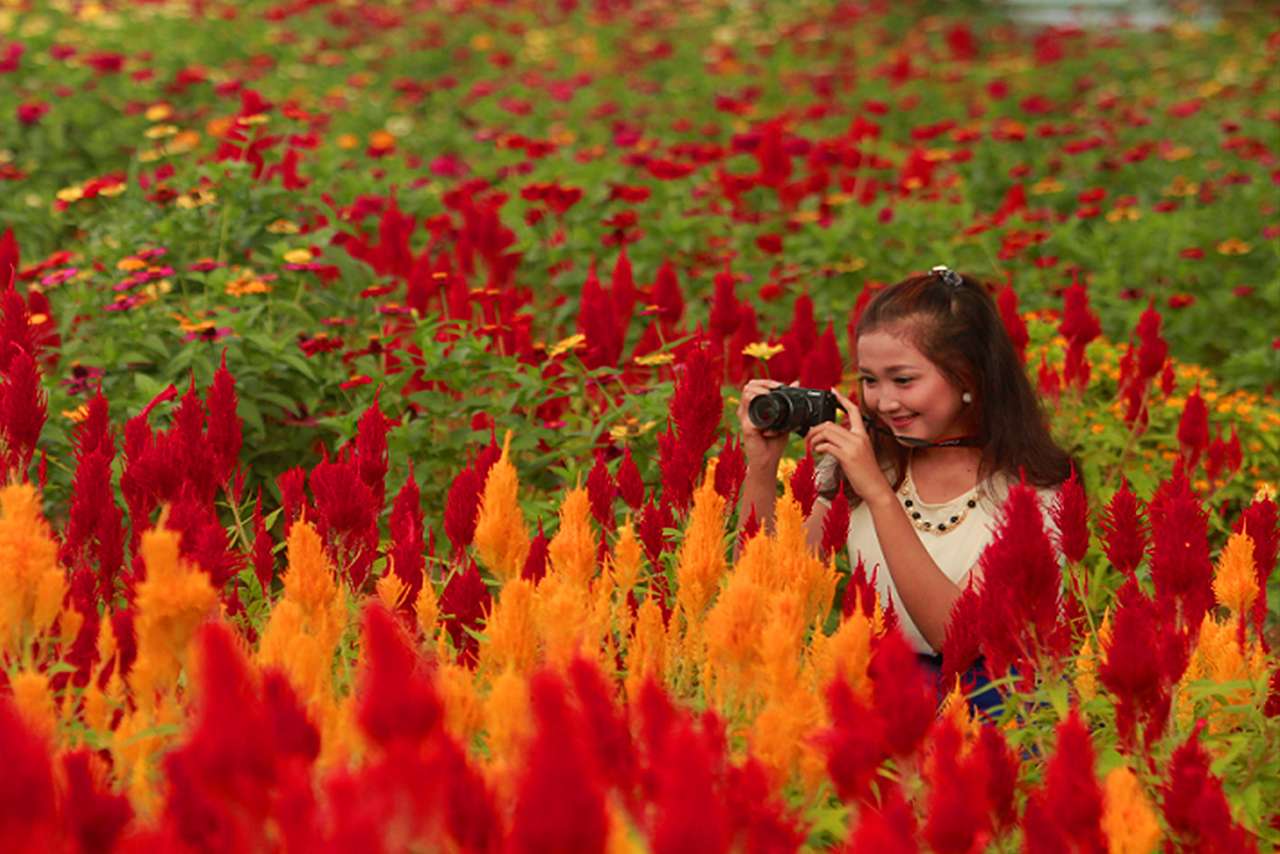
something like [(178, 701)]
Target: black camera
[(788, 408)]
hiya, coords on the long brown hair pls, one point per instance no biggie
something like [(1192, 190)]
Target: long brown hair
[(957, 327)]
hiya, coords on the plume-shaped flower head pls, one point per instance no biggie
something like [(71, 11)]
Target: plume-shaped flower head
[(501, 538)]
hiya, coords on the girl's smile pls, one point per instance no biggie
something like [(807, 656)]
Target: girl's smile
[(906, 391)]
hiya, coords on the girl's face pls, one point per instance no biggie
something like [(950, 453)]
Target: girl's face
[(907, 392)]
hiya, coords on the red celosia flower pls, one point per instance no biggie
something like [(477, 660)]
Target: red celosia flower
[(407, 531), (803, 487), (535, 564), (680, 469), (1079, 326), (28, 810), (1193, 428), (697, 405), (1181, 568), (606, 726), (224, 433), (905, 697), (1153, 349), (1070, 514), (95, 816), (835, 525), (1066, 813), (346, 515), (598, 321), (1002, 766), (855, 745), (1021, 589), (1007, 300), (888, 829), (723, 319), (371, 451), (1123, 529), (622, 293), (1195, 806), (654, 519), (399, 706), (1143, 661), (667, 296), (293, 498), (23, 411), (602, 490), (822, 367), (860, 591), (959, 818), (760, 820), (963, 642), (688, 812), (203, 539), (560, 801), (461, 508), (463, 603), (630, 485)]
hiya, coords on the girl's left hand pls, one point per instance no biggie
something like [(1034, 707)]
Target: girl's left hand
[(852, 448)]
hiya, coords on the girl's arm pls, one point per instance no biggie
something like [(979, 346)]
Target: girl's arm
[(926, 592), (813, 525)]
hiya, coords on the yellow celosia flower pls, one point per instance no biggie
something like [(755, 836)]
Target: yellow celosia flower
[(1128, 819), (391, 590), (172, 601), (572, 551), (1235, 583), (701, 561), (32, 585), (627, 557), (501, 538), (34, 702), (510, 636)]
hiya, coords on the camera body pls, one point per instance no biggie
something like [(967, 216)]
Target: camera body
[(787, 408)]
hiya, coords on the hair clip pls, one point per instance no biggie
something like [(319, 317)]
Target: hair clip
[(948, 276)]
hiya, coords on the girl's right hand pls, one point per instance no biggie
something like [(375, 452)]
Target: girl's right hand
[(763, 450)]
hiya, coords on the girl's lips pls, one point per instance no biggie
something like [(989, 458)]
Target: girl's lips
[(899, 423)]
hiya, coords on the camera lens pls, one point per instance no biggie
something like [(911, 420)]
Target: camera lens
[(769, 411)]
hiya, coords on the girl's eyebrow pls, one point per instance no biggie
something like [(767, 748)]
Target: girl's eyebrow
[(890, 370)]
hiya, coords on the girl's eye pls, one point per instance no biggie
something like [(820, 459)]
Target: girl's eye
[(903, 380), (868, 381)]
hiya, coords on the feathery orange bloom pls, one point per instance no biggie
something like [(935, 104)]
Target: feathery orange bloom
[(172, 601), (32, 585), (1235, 584), (501, 538), (572, 551), (511, 638), (647, 649), (34, 701), (701, 561), (427, 607), (1128, 820)]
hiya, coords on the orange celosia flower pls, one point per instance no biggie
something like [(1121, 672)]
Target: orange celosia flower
[(501, 538), (562, 610), (732, 631), (628, 554), (1235, 583), (1221, 659), (34, 701), (511, 639), (32, 585), (572, 551), (1128, 820), (956, 708), (463, 712), (647, 650), (172, 601), (508, 729), (391, 590), (846, 653), (701, 561), (427, 607)]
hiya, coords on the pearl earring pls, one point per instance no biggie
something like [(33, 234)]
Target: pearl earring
[(966, 398)]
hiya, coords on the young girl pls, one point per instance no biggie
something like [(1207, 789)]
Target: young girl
[(951, 422)]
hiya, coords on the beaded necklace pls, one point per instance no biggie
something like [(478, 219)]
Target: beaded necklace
[(946, 517)]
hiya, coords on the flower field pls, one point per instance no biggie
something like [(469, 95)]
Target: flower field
[(367, 374)]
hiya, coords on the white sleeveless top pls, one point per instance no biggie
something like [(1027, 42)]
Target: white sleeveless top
[(958, 531)]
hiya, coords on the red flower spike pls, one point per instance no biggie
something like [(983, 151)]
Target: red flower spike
[(463, 604), (346, 516), (1007, 300), (1140, 680), (1050, 383), (406, 527), (535, 564), (602, 490), (1123, 529), (890, 829), (622, 291), (905, 697), (835, 525), (461, 508), (667, 296), (654, 519), (1070, 513), (399, 706), (1193, 428), (823, 366), (371, 451), (28, 810), (760, 820), (963, 642), (23, 410), (859, 592), (1021, 588), (203, 539), (803, 486), (95, 816), (606, 726), (724, 317), (1234, 456), (1153, 349), (1181, 568), (1195, 806), (688, 812), (560, 801), (958, 817), (1068, 810), (679, 469), (10, 257), (630, 485), (224, 431), (855, 745), (993, 753), (292, 485), (697, 405), (598, 321)]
